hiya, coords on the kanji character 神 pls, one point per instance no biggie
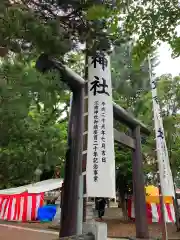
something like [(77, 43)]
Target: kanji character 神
[(100, 58)]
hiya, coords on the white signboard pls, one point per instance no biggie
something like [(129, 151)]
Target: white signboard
[(166, 180), (100, 168)]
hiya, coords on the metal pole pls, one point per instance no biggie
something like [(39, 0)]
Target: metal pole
[(138, 188), (80, 207), (85, 136), (163, 220), (80, 193), (176, 209), (175, 202), (161, 202)]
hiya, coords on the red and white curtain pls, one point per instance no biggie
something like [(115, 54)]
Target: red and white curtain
[(154, 212), (20, 207)]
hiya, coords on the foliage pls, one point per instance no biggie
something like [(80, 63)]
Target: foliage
[(132, 91), (129, 82), (123, 170), (33, 128), (56, 27), (168, 93), (153, 21), (26, 29), (130, 86)]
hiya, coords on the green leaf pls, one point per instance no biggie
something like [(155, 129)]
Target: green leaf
[(97, 12)]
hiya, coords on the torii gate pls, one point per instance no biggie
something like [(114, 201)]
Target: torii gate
[(73, 165)]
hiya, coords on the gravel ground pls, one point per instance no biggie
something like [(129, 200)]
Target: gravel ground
[(118, 228)]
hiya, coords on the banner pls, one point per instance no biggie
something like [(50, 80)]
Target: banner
[(153, 211), (100, 169), (20, 207), (166, 180)]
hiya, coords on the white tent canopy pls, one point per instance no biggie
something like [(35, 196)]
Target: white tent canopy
[(38, 187)]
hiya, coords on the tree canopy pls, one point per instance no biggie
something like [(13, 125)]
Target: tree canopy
[(33, 120), (59, 26)]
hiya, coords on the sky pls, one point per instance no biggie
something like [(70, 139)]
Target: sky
[(167, 64)]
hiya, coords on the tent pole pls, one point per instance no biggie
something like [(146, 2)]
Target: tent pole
[(161, 201)]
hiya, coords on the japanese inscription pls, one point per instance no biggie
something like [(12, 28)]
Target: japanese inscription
[(153, 84), (160, 133), (159, 129), (156, 99), (101, 59), (165, 172), (95, 141), (103, 132), (99, 86), (100, 167)]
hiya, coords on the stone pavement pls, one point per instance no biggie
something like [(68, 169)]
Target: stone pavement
[(9, 232)]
